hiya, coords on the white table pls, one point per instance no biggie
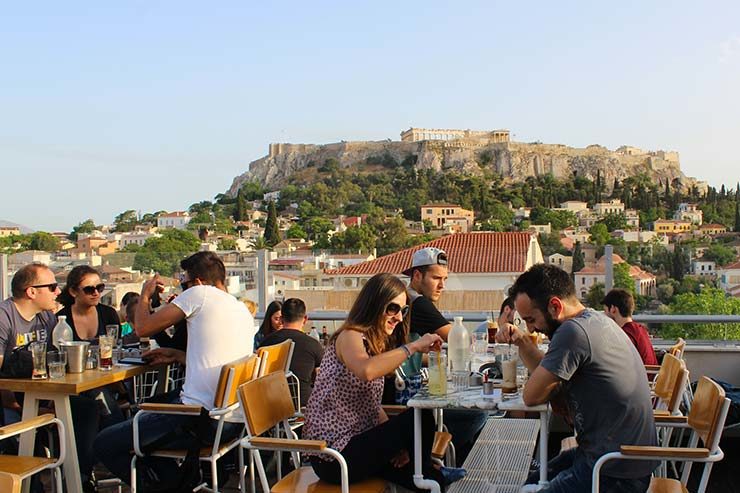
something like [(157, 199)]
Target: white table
[(473, 399)]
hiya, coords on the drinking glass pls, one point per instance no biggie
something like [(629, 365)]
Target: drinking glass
[(437, 373), (111, 330), (57, 361), (492, 329), (106, 352), (480, 342), (38, 354), (508, 368)]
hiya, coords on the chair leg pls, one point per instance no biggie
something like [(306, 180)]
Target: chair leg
[(261, 471), (132, 482), (214, 476), (242, 472), (57, 473)]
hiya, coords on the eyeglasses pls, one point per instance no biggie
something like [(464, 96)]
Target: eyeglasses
[(52, 286), (394, 308), (90, 290)]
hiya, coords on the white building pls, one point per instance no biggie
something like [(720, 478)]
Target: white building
[(565, 262), (729, 276), (689, 212), (596, 274), (134, 238), (173, 220), (614, 206), (703, 268), (482, 266)]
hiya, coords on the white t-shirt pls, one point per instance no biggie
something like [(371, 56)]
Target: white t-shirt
[(220, 330)]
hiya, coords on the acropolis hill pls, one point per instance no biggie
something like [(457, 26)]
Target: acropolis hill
[(468, 151)]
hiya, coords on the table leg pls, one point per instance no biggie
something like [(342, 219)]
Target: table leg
[(71, 464), (28, 439), (544, 432), (419, 480)]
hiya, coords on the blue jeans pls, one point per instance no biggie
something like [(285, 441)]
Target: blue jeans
[(570, 472), (114, 444)]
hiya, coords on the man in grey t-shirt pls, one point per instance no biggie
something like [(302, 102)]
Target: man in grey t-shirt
[(592, 373)]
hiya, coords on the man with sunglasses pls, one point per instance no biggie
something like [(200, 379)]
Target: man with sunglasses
[(28, 316), (428, 273)]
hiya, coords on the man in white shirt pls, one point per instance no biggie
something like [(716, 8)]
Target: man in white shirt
[(220, 330)]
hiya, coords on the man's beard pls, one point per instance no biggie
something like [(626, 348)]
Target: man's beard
[(551, 325)]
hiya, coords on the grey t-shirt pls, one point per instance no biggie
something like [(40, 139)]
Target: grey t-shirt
[(17, 331), (605, 389)]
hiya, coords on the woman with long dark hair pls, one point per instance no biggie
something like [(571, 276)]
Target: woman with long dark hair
[(271, 322), (344, 408), (82, 307)]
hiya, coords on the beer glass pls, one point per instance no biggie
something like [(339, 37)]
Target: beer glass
[(38, 354), (106, 352), (437, 373)]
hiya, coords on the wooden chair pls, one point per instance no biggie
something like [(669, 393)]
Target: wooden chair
[(705, 420), (10, 483), (225, 402), (267, 404), (670, 385), (22, 467), (278, 357)]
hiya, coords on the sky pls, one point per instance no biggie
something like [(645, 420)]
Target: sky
[(110, 106)]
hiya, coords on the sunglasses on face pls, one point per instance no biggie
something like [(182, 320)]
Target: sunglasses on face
[(52, 286), (90, 290), (394, 308)]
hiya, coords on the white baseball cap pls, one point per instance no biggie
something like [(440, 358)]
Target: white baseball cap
[(426, 256)]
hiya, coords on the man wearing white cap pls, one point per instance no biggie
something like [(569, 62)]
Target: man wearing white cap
[(428, 273)]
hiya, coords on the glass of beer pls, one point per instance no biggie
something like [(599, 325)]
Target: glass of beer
[(437, 373), (38, 354), (106, 352)]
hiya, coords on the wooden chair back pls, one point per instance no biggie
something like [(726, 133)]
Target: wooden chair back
[(705, 411), (232, 375), (10, 483), (677, 349), (276, 357), (266, 401), (671, 381)]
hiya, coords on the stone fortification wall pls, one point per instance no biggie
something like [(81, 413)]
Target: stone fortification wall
[(512, 160)]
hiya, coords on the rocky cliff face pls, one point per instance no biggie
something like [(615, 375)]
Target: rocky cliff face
[(512, 160)]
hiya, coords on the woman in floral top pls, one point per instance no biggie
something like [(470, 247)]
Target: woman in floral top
[(344, 408)]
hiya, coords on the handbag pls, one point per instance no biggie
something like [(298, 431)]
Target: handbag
[(19, 364)]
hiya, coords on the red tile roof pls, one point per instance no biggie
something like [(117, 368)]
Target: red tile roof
[(468, 253)]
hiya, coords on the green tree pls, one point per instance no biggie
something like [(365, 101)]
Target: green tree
[(125, 221), (227, 244), (614, 220), (558, 219), (679, 262), (355, 238), (579, 261), (241, 210), (720, 254), (392, 236), (317, 226), (42, 240), (599, 234), (252, 190), (622, 278), (296, 231), (595, 295), (272, 233), (737, 217), (87, 226), (163, 254), (709, 301)]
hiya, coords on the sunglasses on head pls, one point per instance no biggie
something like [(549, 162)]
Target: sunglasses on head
[(90, 290), (394, 308), (52, 286)]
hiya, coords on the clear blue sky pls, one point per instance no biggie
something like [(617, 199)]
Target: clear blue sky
[(108, 106)]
